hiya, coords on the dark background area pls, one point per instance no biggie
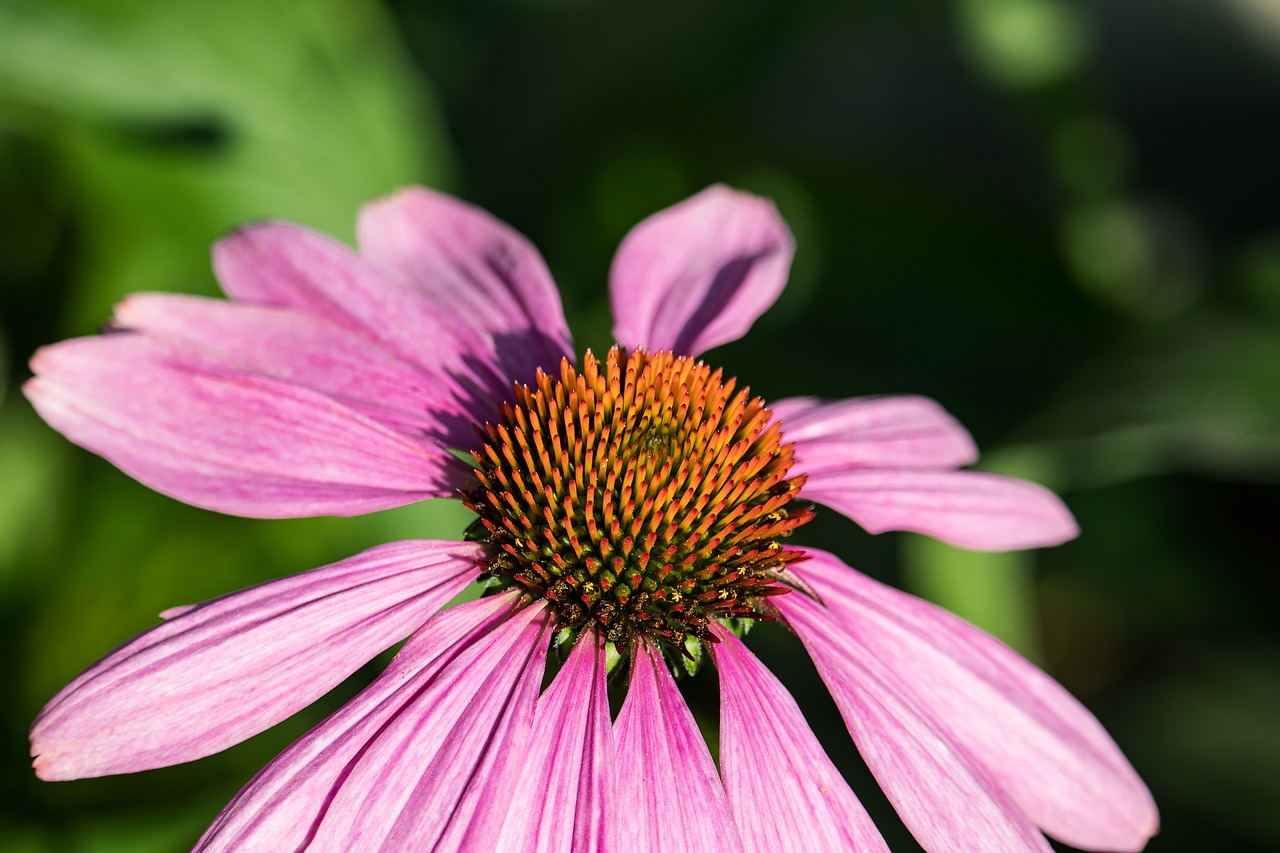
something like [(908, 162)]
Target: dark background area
[(1057, 219)]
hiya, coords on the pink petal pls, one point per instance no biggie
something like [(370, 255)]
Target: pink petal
[(784, 791), (1043, 748), (942, 793), (872, 432), (181, 421), (281, 807), (972, 509), (484, 278), (284, 265), (669, 794), (222, 671), (441, 774), (310, 352), (698, 274), (572, 805)]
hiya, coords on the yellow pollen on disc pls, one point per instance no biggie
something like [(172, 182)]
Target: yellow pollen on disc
[(645, 494)]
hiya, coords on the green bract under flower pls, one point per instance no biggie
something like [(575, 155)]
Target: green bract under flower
[(646, 494)]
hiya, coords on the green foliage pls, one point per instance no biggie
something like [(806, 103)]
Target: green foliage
[(1054, 218), (174, 121)]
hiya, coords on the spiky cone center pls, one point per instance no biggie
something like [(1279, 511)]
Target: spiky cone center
[(646, 494)]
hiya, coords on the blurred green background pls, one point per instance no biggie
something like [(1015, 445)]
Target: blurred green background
[(1058, 219)]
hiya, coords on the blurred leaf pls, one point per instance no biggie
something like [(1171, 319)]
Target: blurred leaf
[(33, 460), (1200, 395), (180, 119), (993, 591), (138, 831)]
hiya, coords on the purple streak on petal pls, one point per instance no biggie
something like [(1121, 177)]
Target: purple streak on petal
[(785, 793), (698, 274), (280, 808), (1045, 749), (972, 509), (872, 432), (185, 424), (942, 793), (568, 798), (669, 794), (222, 671), (311, 352), (441, 774), (279, 264), (479, 273)]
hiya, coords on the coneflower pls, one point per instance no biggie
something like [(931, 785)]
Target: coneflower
[(635, 513)]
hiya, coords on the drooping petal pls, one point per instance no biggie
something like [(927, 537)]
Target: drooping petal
[(479, 273), (698, 274), (567, 797), (184, 423), (219, 672), (1048, 753), (440, 775), (972, 509), (942, 793), (669, 794), (280, 808), (785, 793), (311, 352), (872, 432)]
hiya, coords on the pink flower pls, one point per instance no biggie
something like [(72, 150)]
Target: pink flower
[(640, 502)]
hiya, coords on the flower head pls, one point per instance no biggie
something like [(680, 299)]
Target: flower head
[(638, 506), (641, 496)]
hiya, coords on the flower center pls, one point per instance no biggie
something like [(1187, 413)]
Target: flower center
[(644, 494)]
